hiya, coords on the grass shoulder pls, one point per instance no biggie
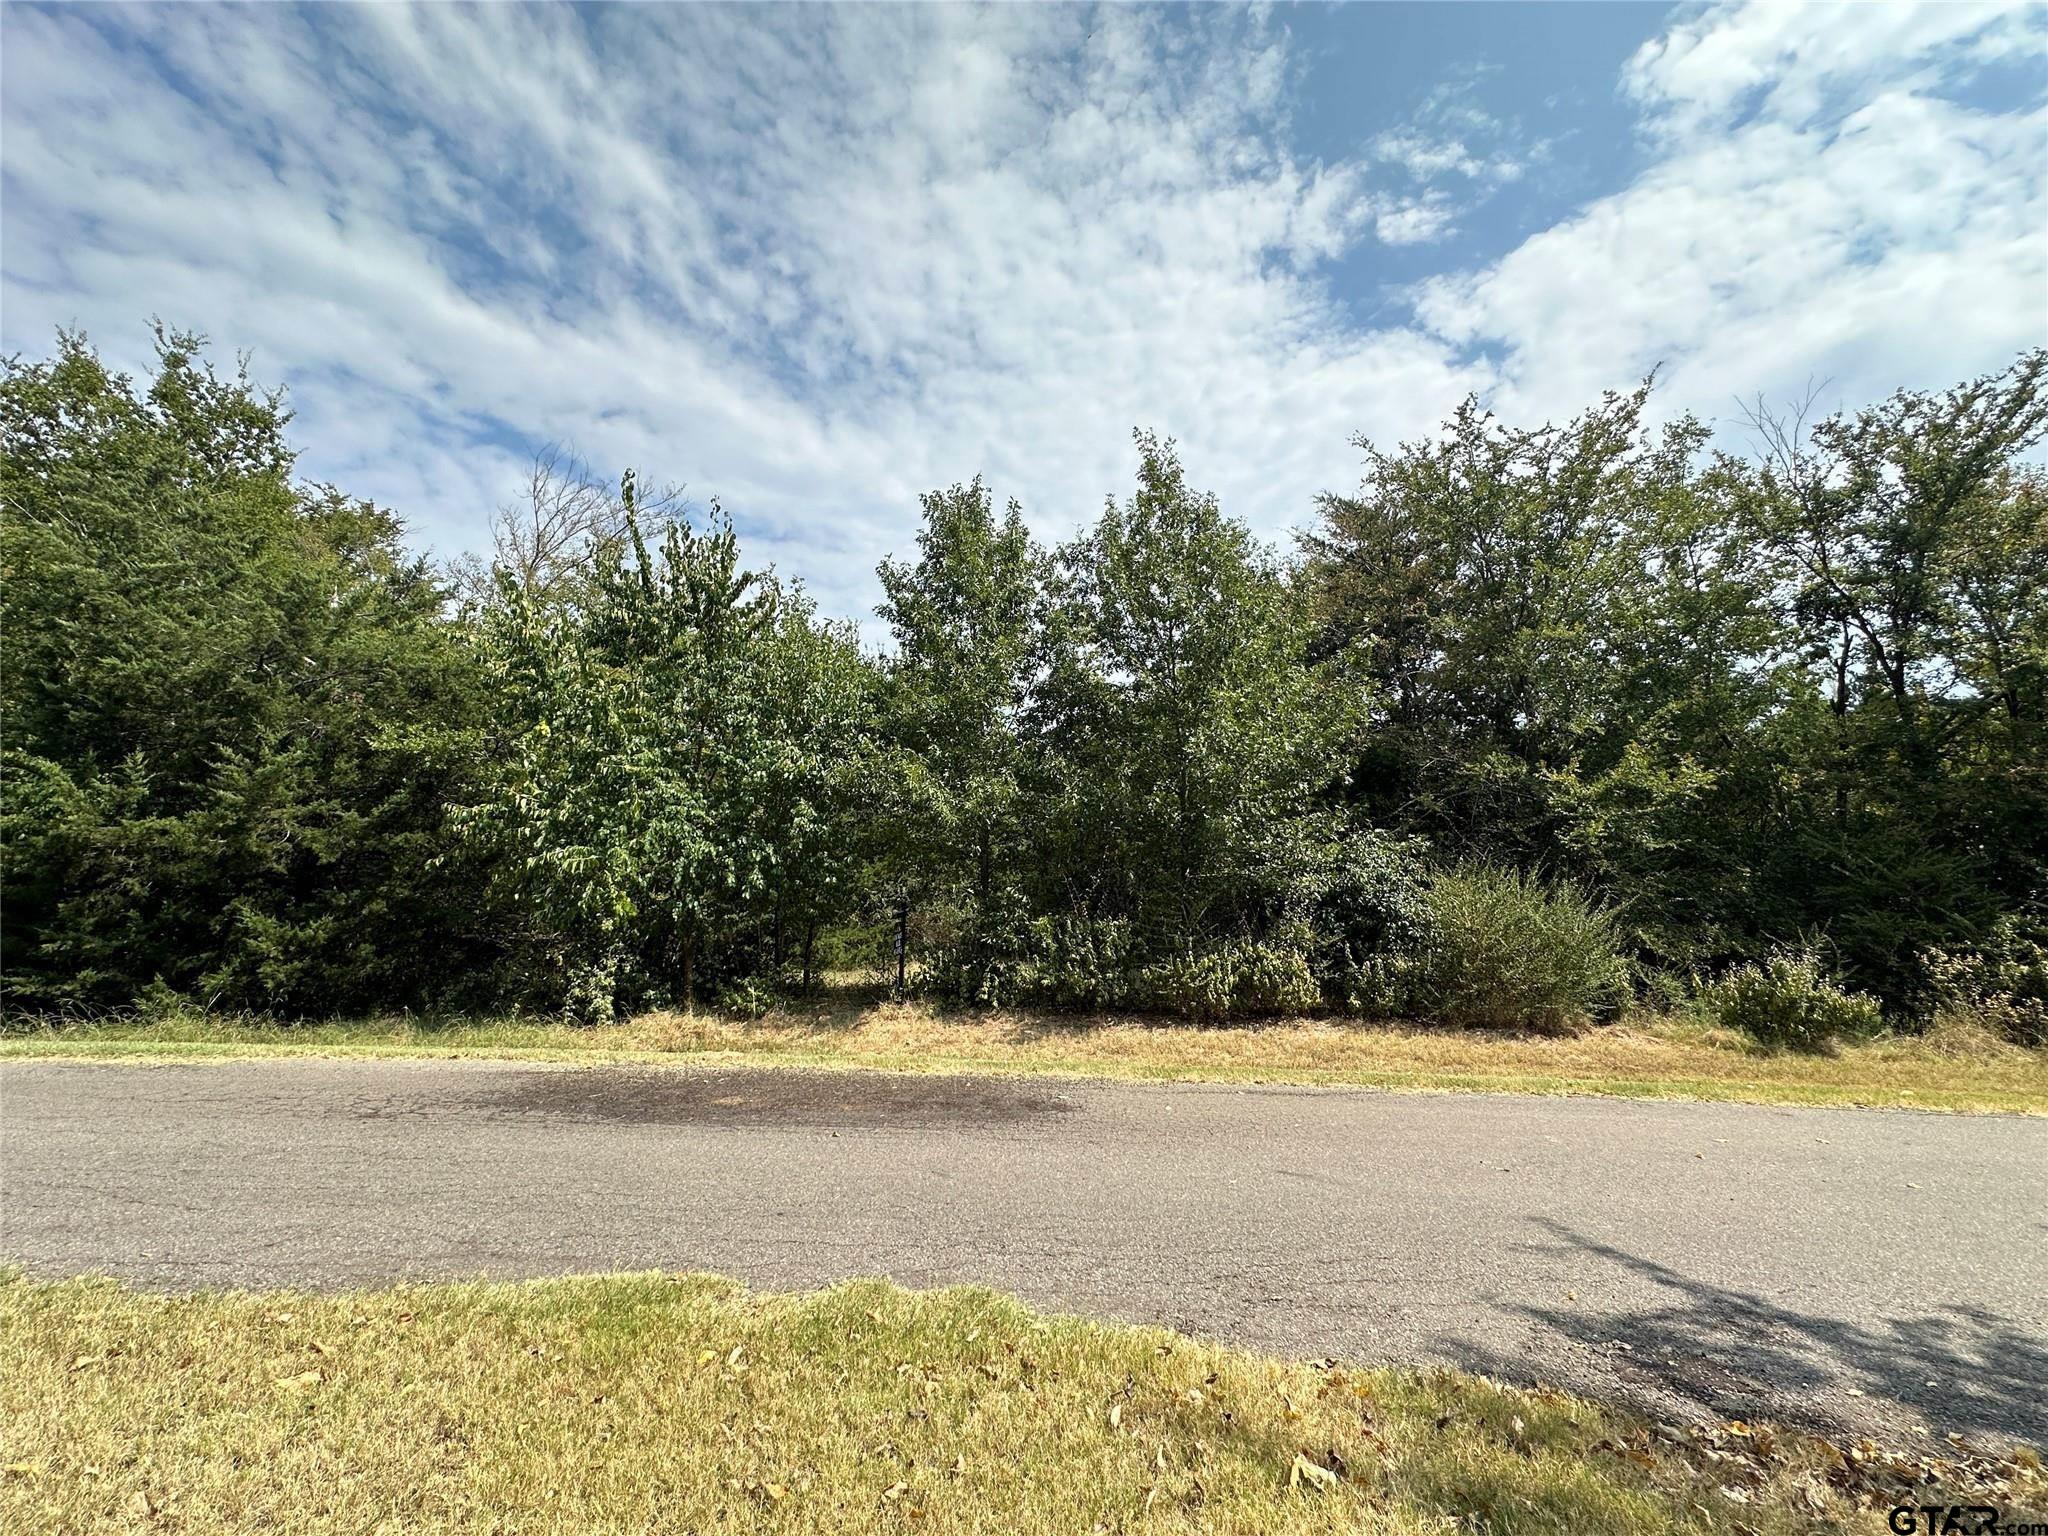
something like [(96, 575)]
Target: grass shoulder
[(622, 1402), (1645, 1057)]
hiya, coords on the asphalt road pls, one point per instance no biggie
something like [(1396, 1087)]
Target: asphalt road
[(1865, 1271)]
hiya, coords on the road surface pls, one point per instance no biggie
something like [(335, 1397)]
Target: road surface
[(1863, 1271)]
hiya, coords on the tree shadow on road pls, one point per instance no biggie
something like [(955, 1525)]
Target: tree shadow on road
[(1718, 1351)]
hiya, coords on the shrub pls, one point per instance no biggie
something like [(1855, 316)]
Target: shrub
[(1243, 978), (1789, 1002), (979, 960), (1271, 980), (1082, 961), (1380, 986), (744, 997), (2002, 982), (1369, 901), (590, 993), (1503, 950), (161, 1003), (1195, 986)]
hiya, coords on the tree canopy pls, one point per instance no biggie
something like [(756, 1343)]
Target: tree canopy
[(1601, 686)]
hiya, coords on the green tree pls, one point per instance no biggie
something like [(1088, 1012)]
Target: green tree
[(1186, 739), (964, 618), (1906, 549), (821, 710), (222, 696), (637, 755), (1485, 576)]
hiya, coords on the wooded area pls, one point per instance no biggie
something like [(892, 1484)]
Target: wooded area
[(1535, 725)]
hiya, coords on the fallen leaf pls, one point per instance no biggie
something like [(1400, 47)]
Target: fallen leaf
[(141, 1505), (1116, 1414), (299, 1382), (1306, 1471)]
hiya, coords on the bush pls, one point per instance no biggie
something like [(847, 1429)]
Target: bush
[(744, 997), (1195, 986), (979, 955), (1241, 979), (2002, 981), (1370, 900), (1271, 980), (1378, 987), (1082, 961), (1503, 950), (591, 989), (1789, 1002)]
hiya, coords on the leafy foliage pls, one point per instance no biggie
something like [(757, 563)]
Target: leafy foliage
[(2001, 981), (1504, 950), (677, 751), (228, 702), (1789, 1002), (256, 753)]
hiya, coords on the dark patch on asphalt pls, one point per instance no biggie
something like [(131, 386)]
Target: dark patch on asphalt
[(771, 1097)]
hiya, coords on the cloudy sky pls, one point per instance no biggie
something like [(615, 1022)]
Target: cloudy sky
[(815, 261)]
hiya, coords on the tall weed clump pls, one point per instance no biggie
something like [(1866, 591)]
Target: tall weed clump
[(2000, 983)]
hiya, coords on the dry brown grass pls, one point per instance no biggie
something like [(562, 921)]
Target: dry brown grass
[(670, 1403), (1950, 1069)]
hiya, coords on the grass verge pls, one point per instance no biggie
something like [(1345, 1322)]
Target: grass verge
[(1654, 1059), (685, 1403)]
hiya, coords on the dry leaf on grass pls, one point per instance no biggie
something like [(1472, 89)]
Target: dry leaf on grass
[(1306, 1471)]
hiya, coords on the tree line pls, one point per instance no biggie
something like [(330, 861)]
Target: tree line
[(1535, 723)]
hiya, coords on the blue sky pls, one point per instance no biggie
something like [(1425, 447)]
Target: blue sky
[(816, 261)]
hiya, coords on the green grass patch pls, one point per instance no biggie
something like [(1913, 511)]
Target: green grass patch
[(685, 1403)]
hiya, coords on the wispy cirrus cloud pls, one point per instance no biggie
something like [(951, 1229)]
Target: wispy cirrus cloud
[(816, 261)]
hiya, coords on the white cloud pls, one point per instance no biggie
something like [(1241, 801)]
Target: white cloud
[(1895, 239), (1414, 220), (817, 261), (1786, 61)]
